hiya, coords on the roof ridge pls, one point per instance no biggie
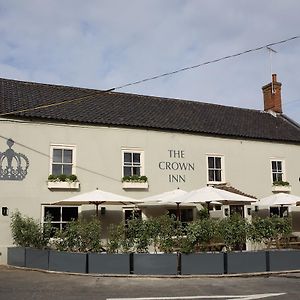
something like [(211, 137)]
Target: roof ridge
[(50, 84)]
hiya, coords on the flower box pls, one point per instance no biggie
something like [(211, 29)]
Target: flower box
[(37, 258), (64, 185), (63, 261), (155, 264), (202, 263), (281, 188), (109, 263), (134, 185), (16, 256)]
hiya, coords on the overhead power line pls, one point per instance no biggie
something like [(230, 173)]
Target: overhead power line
[(153, 77), (207, 62)]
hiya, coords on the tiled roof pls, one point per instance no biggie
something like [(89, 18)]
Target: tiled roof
[(232, 189), (121, 109)]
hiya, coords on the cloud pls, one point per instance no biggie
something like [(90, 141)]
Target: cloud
[(103, 44)]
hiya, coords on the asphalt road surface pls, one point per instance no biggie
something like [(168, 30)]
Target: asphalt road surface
[(28, 284)]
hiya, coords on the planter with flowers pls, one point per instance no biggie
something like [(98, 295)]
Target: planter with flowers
[(135, 182), (281, 186), (63, 182)]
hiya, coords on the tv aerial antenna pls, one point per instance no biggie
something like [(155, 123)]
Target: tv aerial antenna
[(271, 52)]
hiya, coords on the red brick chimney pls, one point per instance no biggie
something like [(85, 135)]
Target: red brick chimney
[(272, 95)]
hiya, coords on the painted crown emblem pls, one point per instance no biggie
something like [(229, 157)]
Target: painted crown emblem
[(13, 165)]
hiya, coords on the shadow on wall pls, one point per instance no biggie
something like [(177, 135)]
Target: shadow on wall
[(107, 217)]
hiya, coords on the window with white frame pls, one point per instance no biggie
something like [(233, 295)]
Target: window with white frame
[(215, 169), (278, 172), (60, 215), (133, 162), (62, 160)]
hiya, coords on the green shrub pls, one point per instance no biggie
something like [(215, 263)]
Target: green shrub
[(62, 177), (80, 236), (234, 231), (269, 230), (27, 232), (201, 234)]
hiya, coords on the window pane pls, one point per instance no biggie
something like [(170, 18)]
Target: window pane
[(218, 175), (57, 155), (68, 156), (218, 162), (279, 166), (53, 212), (67, 169), (136, 158), (211, 175), (127, 171), (211, 162), (274, 167), (69, 213), (127, 157), (56, 169), (136, 171)]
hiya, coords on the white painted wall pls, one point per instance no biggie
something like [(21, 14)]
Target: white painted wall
[(99, 163)]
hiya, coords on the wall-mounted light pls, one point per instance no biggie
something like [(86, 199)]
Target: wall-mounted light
[(5, 211)]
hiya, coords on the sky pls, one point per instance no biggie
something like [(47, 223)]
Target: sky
[(102, 44)]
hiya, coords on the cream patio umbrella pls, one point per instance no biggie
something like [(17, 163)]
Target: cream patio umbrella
[(167, 198), (279, 199), (97, 197), (209, 193)]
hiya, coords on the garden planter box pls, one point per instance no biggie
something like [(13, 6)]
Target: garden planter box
[(202, 263), (103, 263), (155, 264), (68, 262), (245, 262), (135, 185), (63, 185), (37, 258), (16, 256), (283, 260)]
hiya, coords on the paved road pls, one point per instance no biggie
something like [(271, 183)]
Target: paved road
[(24, 284)]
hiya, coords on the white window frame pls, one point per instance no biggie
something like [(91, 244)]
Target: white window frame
[(61, 222), (142, 159), (275, 159), (66, 147), (222, 157)]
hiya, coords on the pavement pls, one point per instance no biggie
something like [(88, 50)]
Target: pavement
[(20, 283)]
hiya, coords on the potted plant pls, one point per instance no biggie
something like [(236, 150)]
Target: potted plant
[(135, 182), (32, 241), (162, 232), (202, 235), (281, 186), (63, 181)]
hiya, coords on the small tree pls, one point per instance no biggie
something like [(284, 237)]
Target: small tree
[(80, 236), (27, 232), (270, 229), (115, 237), (234, 231), (201, 233)]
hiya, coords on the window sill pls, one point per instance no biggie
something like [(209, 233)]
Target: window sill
[(281, 188), (63, 185), (135, 185)]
